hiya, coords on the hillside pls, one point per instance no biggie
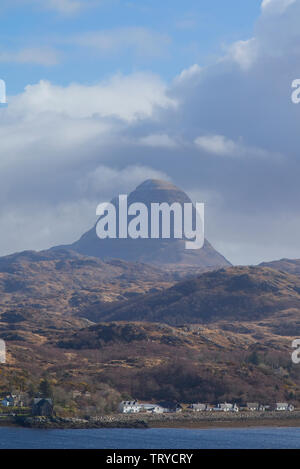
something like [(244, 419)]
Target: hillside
[(235, 294), (291, 266), (228, 334), (208, 338), (219, 362), (48, 289)]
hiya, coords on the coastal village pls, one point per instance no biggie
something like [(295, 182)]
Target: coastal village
[(21, 404), (134, 407)]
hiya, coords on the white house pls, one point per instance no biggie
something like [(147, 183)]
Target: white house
[(198, 407), (252, 406), (134, 407), (152, 408), (284, 406), (226, 408), (129, 407)]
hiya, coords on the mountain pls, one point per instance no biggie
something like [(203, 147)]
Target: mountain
[(163, 252), (234, 294)]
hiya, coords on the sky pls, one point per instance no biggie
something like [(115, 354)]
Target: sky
[(86, 41), (103, 94)]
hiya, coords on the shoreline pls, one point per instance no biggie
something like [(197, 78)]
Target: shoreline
[(223, 425), (180, 421), (179, 426)]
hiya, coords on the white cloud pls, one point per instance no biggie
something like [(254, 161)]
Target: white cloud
[(49, 128), (57, 146), (243, 52), (187, 74), (158, 140), (143, 41), (276, 35), (276, 6), (104, 179), (125, 97), (34, 55), (218, 145)]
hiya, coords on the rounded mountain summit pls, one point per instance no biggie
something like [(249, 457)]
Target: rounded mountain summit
[(163, 252)]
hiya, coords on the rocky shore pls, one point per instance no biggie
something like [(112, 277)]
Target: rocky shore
[(79, 423), (180, 420)]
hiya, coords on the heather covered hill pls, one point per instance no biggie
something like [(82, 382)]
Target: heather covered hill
[(104, 334), (211, 337), (235, 294), (50, 288), (291, 266), (211, 363), (242, 323)]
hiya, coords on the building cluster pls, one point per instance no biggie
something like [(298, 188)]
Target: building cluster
[(226, 407), (39, 406), (14, 400), (249, 407), (133, 407)]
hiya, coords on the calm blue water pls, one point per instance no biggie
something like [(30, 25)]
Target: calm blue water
[(250, 438)]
